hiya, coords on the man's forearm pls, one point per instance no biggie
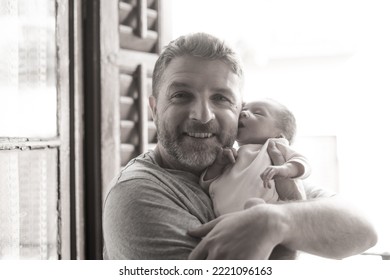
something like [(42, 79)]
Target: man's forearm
[(327, 227)]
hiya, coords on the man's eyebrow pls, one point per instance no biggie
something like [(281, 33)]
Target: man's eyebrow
[(176, 85), (224, 91)]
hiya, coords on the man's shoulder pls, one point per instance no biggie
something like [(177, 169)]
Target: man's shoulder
[(143, 166), (143, 175), (141, 171)]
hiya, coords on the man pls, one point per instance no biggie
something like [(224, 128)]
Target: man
[(156, 208)]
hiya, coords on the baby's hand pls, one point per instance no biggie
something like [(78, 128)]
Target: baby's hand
[(226, 156), (271, 172)]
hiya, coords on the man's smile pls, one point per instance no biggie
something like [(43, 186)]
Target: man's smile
[(199, 134)]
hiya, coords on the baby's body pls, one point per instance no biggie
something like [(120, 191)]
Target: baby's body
[(236, 177)]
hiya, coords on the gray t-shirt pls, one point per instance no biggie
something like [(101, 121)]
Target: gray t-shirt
[(149, 210)]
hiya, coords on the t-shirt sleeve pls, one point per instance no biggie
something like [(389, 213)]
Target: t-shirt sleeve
[(142, 220)]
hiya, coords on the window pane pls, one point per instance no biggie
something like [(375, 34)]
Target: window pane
[(28, 204), (28, 104)]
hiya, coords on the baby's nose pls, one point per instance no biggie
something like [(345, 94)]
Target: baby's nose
[(244, 114)]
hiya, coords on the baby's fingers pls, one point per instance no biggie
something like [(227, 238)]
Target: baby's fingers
[(266, 176), (235, 154), (229, 154)]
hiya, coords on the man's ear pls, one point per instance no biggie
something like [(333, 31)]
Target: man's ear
[(152, 105)]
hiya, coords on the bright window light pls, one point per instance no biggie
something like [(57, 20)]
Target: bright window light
[(328, 61)]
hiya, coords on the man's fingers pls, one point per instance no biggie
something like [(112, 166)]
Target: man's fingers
[(275, 155), (204, 229), (199, 252)]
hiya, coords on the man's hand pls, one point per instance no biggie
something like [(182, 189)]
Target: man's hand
[(277, 159), (276, 156), (248, 234), (286, 187)]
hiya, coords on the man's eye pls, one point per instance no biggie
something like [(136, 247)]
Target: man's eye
[(181, 95), (221, 98)]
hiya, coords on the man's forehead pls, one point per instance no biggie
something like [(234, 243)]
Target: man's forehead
[(192, 70), (191, 64)]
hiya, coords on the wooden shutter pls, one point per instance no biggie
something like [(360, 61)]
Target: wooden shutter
[(139, 45), (121, 44), (129, 52)]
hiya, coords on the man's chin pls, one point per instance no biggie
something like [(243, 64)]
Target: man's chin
[(197, 160)]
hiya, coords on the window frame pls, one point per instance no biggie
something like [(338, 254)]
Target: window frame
[(69, 139)]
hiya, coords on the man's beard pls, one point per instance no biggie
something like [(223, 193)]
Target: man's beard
[(193, 154)]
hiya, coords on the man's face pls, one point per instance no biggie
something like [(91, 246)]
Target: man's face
[(196, 111)]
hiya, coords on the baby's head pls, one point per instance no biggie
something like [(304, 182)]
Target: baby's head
[(264, 119)]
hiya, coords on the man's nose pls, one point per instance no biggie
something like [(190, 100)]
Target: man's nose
[(202, 112)]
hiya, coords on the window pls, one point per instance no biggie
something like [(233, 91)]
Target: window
[(34, 174), (331, 68)]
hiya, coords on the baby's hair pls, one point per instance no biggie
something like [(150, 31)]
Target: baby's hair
[(286, 121)]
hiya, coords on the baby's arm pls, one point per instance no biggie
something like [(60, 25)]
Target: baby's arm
[(224, 157), (296, 165), (288, 170)]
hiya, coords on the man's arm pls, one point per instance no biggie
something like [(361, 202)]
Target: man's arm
[(327, 227), (142, 221)]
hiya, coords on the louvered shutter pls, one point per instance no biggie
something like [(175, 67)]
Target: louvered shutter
[(128, 57), (139, 45)]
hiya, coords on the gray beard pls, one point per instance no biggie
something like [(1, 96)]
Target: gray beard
[(193, 157)]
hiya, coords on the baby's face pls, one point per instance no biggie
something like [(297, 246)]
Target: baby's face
[(257, 122)]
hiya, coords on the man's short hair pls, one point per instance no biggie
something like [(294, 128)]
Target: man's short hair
[(199, 45)]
